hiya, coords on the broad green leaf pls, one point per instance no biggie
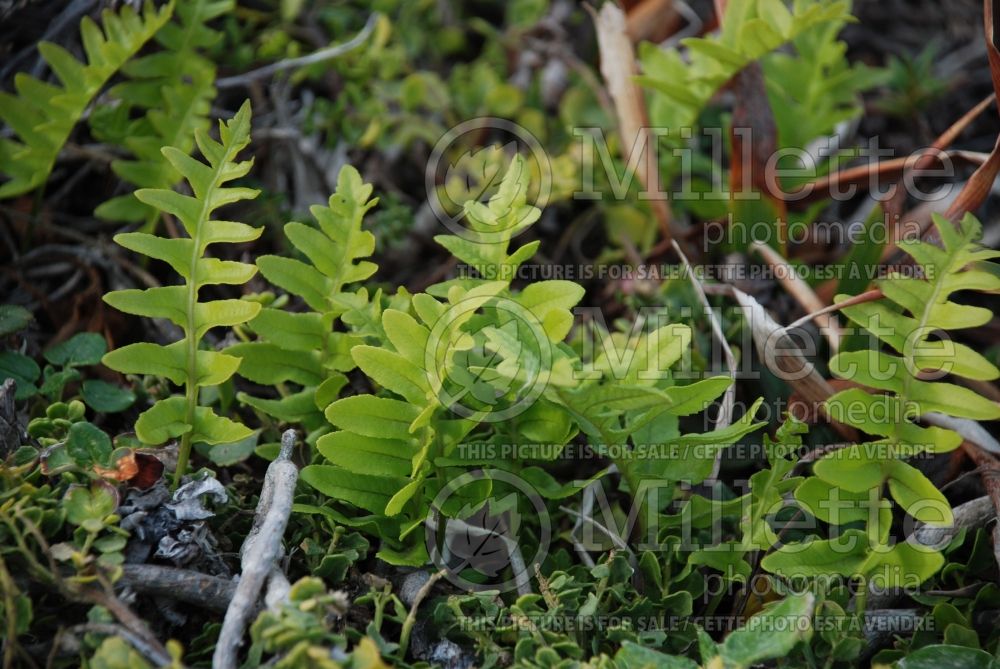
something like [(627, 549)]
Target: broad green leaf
[(772, 633), (270, 364), (23, 370), (89, 508), (106, 397), (633, 656), (85, 348), (88, 445), (845, 555), (367, 455), (393, 372), (942, 656), (13, 318), (371, 493)]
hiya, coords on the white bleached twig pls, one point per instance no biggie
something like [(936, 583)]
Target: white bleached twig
[(260, 552)]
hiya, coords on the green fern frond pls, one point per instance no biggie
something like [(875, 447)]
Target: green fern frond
[(815, 88), (43, 114), (176, 87), (182, 362), (302, 348), (750, 29), (491, 226), (908, 320)]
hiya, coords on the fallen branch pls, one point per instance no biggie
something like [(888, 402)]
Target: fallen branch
[(260, 552), (182, 585)]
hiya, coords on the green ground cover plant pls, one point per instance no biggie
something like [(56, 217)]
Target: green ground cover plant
[(325, 382)]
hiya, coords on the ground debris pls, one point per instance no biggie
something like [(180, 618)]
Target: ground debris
[(172, 528)]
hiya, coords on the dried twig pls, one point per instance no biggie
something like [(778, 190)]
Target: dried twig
[(183, 585), (302, 61), (260, 551), (868, 296), (802, 293), (150, 645), (156, 655)]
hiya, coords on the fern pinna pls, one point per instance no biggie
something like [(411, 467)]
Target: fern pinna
[(896, 390), (43, 114), (174, 87), (302, 348), (182, 361)]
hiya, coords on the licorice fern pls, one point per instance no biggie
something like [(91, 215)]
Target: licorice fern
[(750, 29), (43, 114), (175, 88), (441, 371), (182, 362), (303, 348), (816, 87), (848, 484), (913, 310)]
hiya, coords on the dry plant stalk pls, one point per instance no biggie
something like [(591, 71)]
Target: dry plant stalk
[(619, 69), (782, 357), (260, 552)]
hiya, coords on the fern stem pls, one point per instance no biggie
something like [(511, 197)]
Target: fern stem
[(191, 322)]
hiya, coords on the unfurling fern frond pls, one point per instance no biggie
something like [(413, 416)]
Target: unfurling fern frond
[(43, 114), (907, 320), (302, 348), (182, 362), (176, 87)]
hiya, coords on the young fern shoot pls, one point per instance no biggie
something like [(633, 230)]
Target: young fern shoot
[(182, 361)]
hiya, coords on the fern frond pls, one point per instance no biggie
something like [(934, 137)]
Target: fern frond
[(43, 114), (815, 88), (750, 29), (302, 348), (907, 321), (175, 87), (491, 226), (182, 362)]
